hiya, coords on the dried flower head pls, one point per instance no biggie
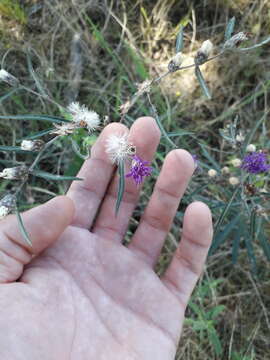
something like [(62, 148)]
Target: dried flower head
[(7, 204), (139, 169), (251, 148), (84, 117), (8, 78), (64, 129), (225, 170), (204, 52), (235, 40), (255, 163), (15, 173), (212, 173), (234, 180), (240, 137), (236, 162), (175, 62), (32, 145), (118, 148)]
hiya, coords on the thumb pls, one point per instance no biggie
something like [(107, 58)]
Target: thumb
[(44, 224)]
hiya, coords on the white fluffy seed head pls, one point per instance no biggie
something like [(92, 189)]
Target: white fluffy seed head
[(118, 148), (27, 145), (251, 148), (236, 162), (234, 180), (236, 40), (3, 212), (225, 170), (206, 48), (84, 117), (212, 173)]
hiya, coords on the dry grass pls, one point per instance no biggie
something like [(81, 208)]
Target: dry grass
[(122, 42)]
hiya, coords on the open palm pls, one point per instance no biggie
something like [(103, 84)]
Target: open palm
[(86, 296)]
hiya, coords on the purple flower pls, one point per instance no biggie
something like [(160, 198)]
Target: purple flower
[(255, 163), (139, 169)]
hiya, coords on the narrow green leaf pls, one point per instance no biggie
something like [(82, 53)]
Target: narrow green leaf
[(214, 339), (229, 28), (265, 41), (36, 135), (34, 75), (22, 228), (13, 148), (121, 186), (213, 313), (52, 119), (9, 94), (48, 176), (252, 222), (265, 246), (179, 133), (180, 40), (76, 149), (209, 157), (202, 82), (220, 238), (251, 255), (225, 211), (236, 243)]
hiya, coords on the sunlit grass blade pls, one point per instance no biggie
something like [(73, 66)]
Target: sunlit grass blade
[(180, 40), (52, 119), (220, 220), (202, 82), (229, 29), (22, 228), (121, 186), (48, 176)]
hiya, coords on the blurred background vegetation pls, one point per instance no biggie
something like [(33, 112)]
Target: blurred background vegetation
[(96, 52)]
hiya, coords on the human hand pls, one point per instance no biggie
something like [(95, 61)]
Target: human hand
[(86, 296)]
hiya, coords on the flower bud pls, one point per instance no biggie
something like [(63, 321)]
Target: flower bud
[(212, 173), (235, 40), (240, 138), (236, 162), (7, 204), (251, 148), (225, 170), (204, 52), (15, 173), (32, 145), (8, 78), (234, 180), (175, 62)]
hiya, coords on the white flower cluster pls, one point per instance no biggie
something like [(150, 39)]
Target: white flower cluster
[(235, 40), (32, 145), (7, 204), (118, 148), (83, 117)]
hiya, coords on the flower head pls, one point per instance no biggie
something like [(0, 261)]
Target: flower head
[(255, 163), (7, 204), (204, 52), (175, 62), (15, 173), (118, 148), (139, 169), (32, 145), (8, 78), (84, 117), (235, 40), (212, 173), (234, 180), (64, 129)]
